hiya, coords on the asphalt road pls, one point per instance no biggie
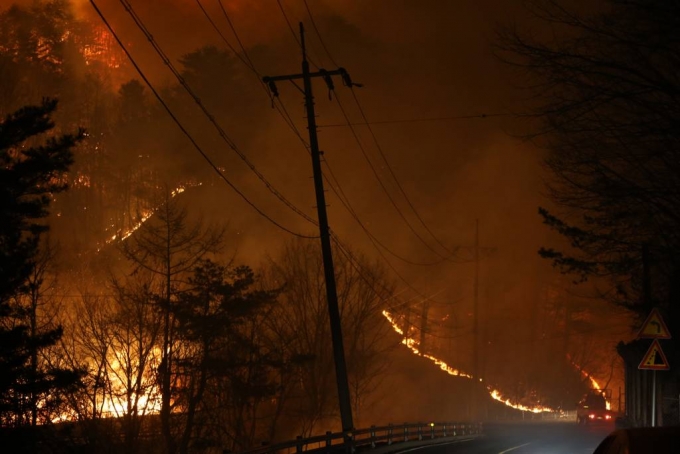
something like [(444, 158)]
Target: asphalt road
[(534, 438)]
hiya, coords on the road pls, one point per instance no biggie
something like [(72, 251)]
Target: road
[(535, 438)]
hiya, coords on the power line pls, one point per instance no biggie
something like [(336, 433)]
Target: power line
[(345, 201), (247, 61), (382, 184), (284, 113), (211, 118), (347, 253), (341, 195), (238, 40), (184, 130), (292, 31), (286, 116), (323, 44), (394, 270), (224, 38), (382, 154), (375, 173), (375, 242), (419, 120), (290, 26)]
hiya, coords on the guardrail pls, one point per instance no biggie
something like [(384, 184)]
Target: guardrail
[(374, 437)]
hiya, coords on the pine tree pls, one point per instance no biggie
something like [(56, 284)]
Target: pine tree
[(31, 172)]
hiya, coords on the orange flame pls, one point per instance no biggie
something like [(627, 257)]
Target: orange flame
[(593, 382), (124, 235), (412, 344)]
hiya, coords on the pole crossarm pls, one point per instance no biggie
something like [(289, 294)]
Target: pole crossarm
[(325, 74), (320, 73)]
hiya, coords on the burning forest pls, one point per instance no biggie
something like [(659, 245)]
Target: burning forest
[(163, 284)]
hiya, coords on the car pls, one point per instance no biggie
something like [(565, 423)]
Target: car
[(593, 409), (641, 440)]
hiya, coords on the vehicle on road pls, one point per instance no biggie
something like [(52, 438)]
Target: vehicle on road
[(593, 409)]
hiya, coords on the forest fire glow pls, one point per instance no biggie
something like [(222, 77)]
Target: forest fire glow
[(412, 344), (120, 401), (102, 48), (595, 385), (535, 409), (126, 234), (146, 214)]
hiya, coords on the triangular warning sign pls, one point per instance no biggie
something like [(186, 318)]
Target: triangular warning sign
[(654, 359), (654, 327)]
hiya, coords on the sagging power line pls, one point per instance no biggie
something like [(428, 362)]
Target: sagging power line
[(185, 132)]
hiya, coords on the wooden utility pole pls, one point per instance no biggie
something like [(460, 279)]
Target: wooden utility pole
[(331, 292), (475, 328), (423, 325)]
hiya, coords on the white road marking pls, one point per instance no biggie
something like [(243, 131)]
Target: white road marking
[(512, 449)]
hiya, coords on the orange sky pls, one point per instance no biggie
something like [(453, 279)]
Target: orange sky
[(424, 59)]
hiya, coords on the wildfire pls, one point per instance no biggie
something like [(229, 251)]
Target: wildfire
[(495, 394), (596, 386), (412, 344), (145, 215), (125, 235), (102, 48), (116, 402)]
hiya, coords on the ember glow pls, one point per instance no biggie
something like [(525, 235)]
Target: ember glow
[(595, 385), (103, 49), (496, 395), (119, 402), (412, 344), (146, 214)]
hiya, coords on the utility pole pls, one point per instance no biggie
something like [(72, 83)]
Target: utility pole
[(329, 273), (475, 328), (423, 325)]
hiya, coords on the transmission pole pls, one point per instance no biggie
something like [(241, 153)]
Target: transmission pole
[(331, 292), (475, 328)]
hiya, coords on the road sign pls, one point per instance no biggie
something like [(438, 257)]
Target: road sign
[(654, 359), (654, 327)]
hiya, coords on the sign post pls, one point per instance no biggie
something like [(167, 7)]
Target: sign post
[(655, 359)]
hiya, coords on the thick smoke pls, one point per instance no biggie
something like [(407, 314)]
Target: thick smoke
[(417, 60)]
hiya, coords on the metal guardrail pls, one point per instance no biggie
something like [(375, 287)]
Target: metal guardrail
[(373, 437)]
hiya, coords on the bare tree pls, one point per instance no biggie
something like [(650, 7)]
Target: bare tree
[(168, 246), (300, 325), (605, 86)]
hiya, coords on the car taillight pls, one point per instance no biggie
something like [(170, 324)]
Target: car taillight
[(591, 416), (608, 417)]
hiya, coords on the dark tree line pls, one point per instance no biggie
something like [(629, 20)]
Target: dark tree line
[(177, 348), (32, 165), (606, 89)]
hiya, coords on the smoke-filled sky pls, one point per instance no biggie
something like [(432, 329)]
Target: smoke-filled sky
[(418, 60)]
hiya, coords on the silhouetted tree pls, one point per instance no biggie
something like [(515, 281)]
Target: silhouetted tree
[(222, 364), (606, 89), (301, 332), (168, 246), (31, 172)]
